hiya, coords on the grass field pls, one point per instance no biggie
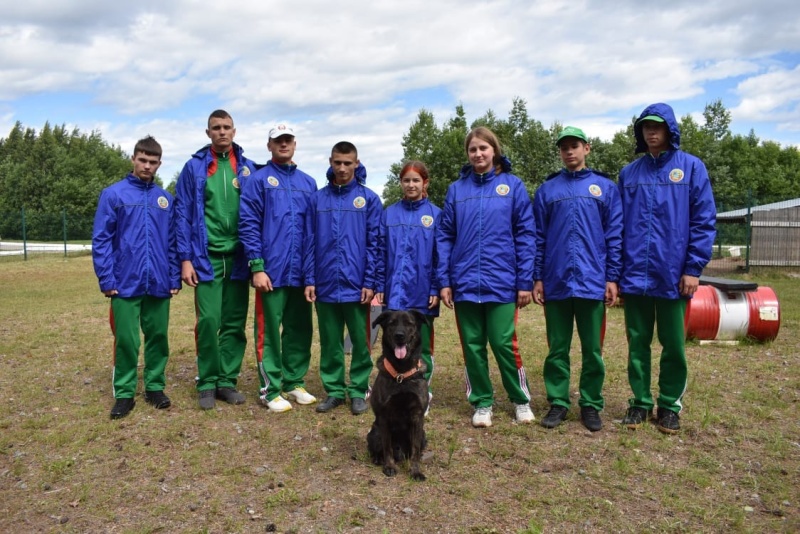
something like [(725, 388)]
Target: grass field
[(66, 467)]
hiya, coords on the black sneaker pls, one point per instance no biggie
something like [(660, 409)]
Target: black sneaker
[(635, 417), (358, 406), (122, 407), (554, 417), (206, 399), (329, 404), (590, 418), (668, 421), (157, 399), (230, 395)]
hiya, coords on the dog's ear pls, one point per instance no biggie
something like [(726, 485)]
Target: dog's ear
[(381, 319), (421, 318)]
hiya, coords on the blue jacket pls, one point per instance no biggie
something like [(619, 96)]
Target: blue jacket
[(133, 240), (190, 206), (578, 234), (341, 252), (669, 216), (272, 221), (408, 243), (485, 238)]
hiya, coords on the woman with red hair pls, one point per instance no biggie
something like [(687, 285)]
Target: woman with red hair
[(407, 239)]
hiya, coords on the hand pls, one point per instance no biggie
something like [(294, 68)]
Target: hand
[(174, 292), (262, 282), (612, 292), (433, 301), (110, 292), (688, 285), (366, 295), (188, 274), (447, 296), (310, 293), (524, 298), (538, 292), (379, 296)]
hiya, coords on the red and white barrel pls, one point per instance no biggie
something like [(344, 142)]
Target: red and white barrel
[(725, 315)]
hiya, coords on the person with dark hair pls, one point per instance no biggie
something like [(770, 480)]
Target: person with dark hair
[(485, 242), (408, 243), (135, 259), (272, 224), (576, 270), (342, 268), (212, 258), (669, 229)]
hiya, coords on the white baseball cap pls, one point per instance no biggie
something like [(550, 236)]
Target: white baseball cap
[(280, 129)]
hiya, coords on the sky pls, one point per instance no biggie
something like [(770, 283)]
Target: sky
[(361, 71)]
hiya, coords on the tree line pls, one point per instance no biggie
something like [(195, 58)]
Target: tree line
[(738, 165), (57, 170)]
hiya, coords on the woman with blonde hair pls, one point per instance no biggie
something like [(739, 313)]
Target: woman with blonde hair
[(485, 242)]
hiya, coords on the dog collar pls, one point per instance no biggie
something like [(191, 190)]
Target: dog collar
[(400, 376)]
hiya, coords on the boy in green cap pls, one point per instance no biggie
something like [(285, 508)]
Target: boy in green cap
[(578, 218), (670, 226)]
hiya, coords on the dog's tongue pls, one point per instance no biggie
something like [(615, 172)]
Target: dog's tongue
[(400, 352)]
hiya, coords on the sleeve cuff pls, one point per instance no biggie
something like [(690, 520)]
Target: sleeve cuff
[(256, 266)]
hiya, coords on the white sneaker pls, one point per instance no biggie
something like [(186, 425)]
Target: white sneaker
[(279, 404), (524, 413), (482, 417), (301, 396)]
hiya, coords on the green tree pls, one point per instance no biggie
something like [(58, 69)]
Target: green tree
[(440, 148), (52, 173)]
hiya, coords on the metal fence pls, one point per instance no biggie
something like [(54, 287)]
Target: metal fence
[(764, 235), (25, 233), (760, 235)]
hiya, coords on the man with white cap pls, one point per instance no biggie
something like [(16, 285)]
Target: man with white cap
[(271, 228)]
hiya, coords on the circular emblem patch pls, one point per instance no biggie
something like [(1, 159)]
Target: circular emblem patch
[(273, 181), (426, 221), (235, 183), (163, 203), (359, 202), (676, 175), (246, 171), (595, 190), (502, 190)]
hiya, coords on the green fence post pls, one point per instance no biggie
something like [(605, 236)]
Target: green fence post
[(64, 228), (24, 238)]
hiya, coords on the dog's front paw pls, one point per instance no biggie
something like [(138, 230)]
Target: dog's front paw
[(418, 476), (389, 471)]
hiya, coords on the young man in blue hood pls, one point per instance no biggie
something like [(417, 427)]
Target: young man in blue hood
[(669, 229), (342, 269)]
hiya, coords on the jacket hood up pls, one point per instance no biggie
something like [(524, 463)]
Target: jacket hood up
[(665, 112)]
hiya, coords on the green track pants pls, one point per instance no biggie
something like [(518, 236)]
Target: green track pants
[(127, 316), (283, 329), (590, 318), (221, 310), (495, 323), (668, 315)]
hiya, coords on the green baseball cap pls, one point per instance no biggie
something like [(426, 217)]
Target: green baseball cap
[(571, 131), (654, 118)]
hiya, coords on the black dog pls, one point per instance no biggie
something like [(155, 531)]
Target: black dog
[(399, 396)]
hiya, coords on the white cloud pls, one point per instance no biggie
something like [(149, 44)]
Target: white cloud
[(771, 97), (350, 70)]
